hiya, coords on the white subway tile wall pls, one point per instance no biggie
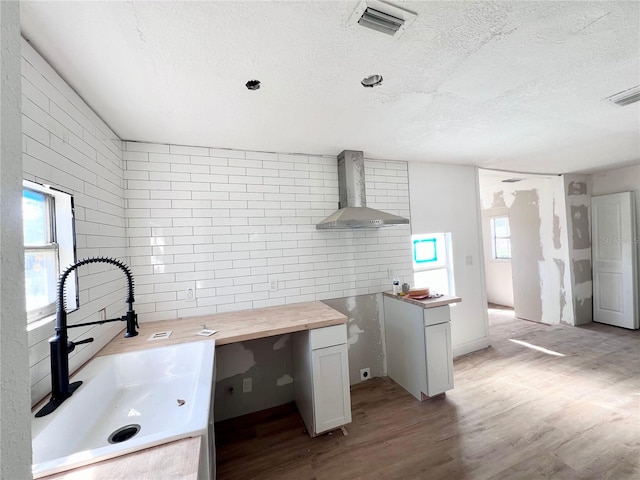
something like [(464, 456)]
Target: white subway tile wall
[(215, 230), (66, 145), (204, 230)]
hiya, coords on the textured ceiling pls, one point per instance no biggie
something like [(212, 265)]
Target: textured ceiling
[(505, 85)]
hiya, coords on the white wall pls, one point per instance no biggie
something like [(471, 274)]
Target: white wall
[(497, 271), (66, 145), (625, 179), (15, 431), (225, 222), (444, 198)]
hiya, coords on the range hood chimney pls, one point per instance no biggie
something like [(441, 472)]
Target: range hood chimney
[(353, 211)]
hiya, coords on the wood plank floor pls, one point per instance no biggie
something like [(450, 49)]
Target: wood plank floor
[(571, 411)]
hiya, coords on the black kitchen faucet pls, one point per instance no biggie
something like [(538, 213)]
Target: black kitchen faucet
[(60, 346)]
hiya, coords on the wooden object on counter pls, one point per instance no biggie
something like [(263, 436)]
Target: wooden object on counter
[(179, 459), (232, 326), (428, 302)]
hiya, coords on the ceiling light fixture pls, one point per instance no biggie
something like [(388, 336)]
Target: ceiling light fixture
[(253, 84), (626, 97), (371, 81)]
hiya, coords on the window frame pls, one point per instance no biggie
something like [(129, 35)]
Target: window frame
[(60, 236), (494, 237), (442, 260)]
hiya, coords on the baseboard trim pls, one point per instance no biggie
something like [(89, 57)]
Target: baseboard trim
[(471, 346)]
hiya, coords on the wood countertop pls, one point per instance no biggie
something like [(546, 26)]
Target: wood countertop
[(231, 327), (426, 303), (179, 459)]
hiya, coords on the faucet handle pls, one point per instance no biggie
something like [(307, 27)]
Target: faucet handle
[(71, 346)]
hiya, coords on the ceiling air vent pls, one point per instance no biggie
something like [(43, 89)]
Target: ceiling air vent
[(382, 16), (626, 97), (380, 21)]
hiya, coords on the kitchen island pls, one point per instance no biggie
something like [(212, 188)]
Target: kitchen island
[(418, 342)]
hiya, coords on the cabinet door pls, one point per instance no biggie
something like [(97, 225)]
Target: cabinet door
[(439, 358), (331, 394)]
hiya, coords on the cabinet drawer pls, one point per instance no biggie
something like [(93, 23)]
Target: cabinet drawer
[(328, 336), (433, 316)]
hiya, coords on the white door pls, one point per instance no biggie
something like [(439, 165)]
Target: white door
[(615, 284), (331, 394)]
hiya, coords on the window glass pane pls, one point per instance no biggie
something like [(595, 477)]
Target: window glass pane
[(436, 280), (35, 218), (41, 275), (501, 226), (503, 248)]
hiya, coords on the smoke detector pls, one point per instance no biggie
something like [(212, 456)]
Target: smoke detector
[(382, 16), (626, 97)]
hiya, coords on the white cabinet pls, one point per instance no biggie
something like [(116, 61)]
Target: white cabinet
[(439, 357), (321, 378), (419, 351)]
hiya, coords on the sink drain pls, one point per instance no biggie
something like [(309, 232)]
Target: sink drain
[(124, 433)]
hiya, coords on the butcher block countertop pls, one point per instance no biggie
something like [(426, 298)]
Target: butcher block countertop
[(232, 326), (180, 459), (428, 302)]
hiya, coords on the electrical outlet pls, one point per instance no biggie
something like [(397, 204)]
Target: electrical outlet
[(247, 385), (190, 294), (102, 314), (390, 273), (365, 374), (273, 284)]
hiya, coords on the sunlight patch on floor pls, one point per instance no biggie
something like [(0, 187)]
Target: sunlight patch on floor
[(536, 347)]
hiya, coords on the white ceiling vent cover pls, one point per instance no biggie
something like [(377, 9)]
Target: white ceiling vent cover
[(382, 17), (626, 97)]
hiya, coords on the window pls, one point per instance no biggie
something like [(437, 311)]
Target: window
[(47, 216), (432, 266), (500, 238)]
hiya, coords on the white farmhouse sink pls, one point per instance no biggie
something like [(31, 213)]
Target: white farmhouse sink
[(166, 391)]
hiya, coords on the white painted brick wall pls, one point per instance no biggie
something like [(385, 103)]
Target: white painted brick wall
[(66, 145), (225, 221)]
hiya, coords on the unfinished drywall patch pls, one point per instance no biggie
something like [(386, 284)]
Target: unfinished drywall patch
[(563, 293), (364, 326), (578, 204), (580, 227), (233, 359), (286, 379), (269, 369), (281, 342), (577, 188), (544, 240), (582, 271), (498, 200), (557, 244)]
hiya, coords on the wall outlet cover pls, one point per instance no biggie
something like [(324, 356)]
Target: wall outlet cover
[(160, 335), (206, 332), (365, 374)]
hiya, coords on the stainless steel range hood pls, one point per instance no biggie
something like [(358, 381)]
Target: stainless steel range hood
[(353, 211)]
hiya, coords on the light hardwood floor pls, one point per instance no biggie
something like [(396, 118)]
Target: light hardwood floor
[(515, 413)]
